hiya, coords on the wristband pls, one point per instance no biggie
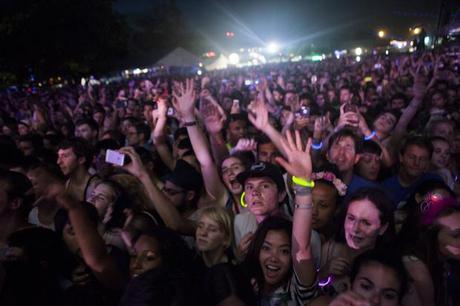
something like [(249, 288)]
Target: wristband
[(318, 146), (303, 206), (369, 137), (191, 123), (303, 183), (302, 191)]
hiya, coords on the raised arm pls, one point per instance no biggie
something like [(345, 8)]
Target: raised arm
[(185, 105), (158, 134), (214, 117), (298, 165), (258, 115), (160, 203), (91, 244)]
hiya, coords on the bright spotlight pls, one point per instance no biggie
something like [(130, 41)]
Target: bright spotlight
[(426, 40), (381, 33), (358, 51), (417, 31), (234, 59), (273, 47), (358, 58), (199, 72)]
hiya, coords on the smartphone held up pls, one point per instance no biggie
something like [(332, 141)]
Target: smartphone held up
[(116, 158)]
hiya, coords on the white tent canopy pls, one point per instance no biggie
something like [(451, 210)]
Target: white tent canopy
[(179, 57), (219, 63)]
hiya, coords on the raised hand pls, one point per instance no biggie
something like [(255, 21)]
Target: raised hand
[(184, 100), (212, 118), (135, 167), (298, 162), (258, 114), (245, 144), (321, 125)]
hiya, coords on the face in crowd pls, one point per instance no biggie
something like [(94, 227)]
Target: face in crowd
[(262, 196), (84, 131), (343, 153), (236, 130), (345, 96), (275, 257), (449, 235), (415, 161), (68, 161), (210, 235), (369, 166), (231, 167), (324, 199), (363, 225), (103, 198), (266, 152), (378, 284), (146, 255), (441, 154), (385, 123)]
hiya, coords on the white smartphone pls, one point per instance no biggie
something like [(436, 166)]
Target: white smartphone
[(114, 157)]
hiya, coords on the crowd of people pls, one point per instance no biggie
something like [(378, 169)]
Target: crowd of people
[(330, 183)]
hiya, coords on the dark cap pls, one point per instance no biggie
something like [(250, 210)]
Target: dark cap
[(263, 169), (185, 176)]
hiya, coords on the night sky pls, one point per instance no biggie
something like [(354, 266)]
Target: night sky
[(319, 22)]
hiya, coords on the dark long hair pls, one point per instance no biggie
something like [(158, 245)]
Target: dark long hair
[(251, 263), (386, 257), (427, 250), (382, 203)]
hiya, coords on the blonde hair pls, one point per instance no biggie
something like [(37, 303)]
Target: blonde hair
[(224, 220)]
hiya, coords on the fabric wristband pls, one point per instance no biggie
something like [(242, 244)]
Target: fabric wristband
[(302, 191), (303, 183)]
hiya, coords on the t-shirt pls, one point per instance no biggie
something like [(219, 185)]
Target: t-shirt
[(358, 182), (399, 194), (246, 222), (215, 283)]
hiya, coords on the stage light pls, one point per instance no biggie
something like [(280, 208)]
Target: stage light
[(234, 58), (381, 33), (358, 51), (273, 47)]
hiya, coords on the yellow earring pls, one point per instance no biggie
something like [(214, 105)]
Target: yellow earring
[(243, 204)]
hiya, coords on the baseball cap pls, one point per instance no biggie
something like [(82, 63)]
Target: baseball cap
[(263, 169), (185, 176)]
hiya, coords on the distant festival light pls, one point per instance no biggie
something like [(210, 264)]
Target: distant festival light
[(381, 33), (398, 43), (358, 51), (273, 47), (358, 58), (317, 58), (233, 59)]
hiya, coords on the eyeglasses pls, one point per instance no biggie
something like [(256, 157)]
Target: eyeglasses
[(172, 192)]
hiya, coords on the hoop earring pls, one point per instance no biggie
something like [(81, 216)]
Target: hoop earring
[(243, 204)]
